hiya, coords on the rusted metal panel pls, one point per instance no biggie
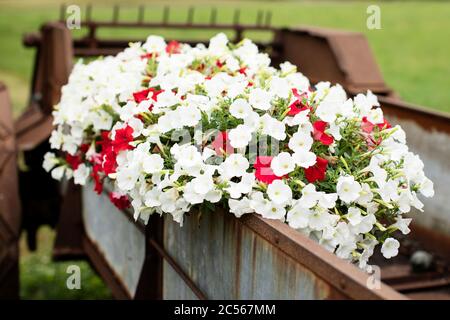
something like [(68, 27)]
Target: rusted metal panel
[(40, 194), (57, 60), (218, 257), (33, 128), (151, 279), (118, 240), (428, 134), (343, 276), (174, 287), (54, 60), (331, 55), (99, 263), (227, 260), (10, 215), (69, 238)]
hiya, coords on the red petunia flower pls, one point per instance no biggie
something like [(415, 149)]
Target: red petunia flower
[(384, 125), (120, 201), (317, 171), (122, 139), (264, 172), (98, 181), (109, 164), (219, 64), (105, 141), (319, 133), (73, 161), (85, 147), (297, 106), (147, 56), (143, 95), (368, 126), (173, 47), (221, 143)]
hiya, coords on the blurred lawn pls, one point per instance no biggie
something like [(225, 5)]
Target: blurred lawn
[(412, 49), (41, 278)]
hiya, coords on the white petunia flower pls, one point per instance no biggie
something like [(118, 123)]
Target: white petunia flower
[(300, 141), (189, 157), (58, 172), (327, 200), (154, 44), (213, 196), (203, 184), (234, 165), (282, 164), (427, 188), (152, 163), (365, 195), (102, 120), (348, 189), (50, 161), (260, 99), (320, 219), (298, 217), (190, 194), (365, 225), (310, 196), (273, 210), (287, 67), (190, 115), (389, 191), (272, 127), (240, 136), (402, 225), (304, 159), (375, 116), (279, 87), (240, 109), (279, 192), (127, 178), (81, 174), (354, 216), (240, 207), (390, 248)]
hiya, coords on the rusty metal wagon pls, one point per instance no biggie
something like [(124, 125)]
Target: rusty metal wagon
[(221, 257)]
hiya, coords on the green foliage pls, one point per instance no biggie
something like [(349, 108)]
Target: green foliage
[(41, 278)]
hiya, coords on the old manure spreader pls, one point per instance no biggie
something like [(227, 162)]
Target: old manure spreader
[(221, 257)]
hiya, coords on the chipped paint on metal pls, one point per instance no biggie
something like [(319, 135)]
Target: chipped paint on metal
[(117, 238), (229, 261)]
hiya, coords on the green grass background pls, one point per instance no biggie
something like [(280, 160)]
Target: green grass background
[(412, 50), (40, 278)]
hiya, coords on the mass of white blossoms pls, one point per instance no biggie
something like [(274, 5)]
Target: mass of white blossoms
[(171, 128)]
